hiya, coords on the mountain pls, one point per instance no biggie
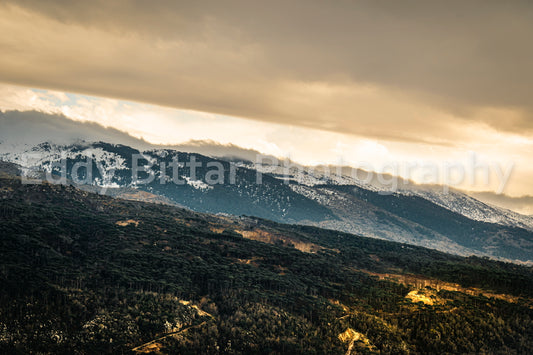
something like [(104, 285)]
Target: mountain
[(452, 222), (84, 273), (457, 201)]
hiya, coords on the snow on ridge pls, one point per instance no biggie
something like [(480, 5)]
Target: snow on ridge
[(309, 176), (43, 155), (452, 200), (161, 153)]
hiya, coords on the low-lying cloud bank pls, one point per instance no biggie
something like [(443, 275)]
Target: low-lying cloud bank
[(34, 127)]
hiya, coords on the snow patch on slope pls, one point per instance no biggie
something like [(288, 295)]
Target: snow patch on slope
[(468, 206), (197, 184), (44, 156), (309, 176)]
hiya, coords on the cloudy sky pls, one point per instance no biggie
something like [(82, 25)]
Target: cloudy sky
[(381, 81)]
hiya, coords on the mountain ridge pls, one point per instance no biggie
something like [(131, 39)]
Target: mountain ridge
[(335, 202)]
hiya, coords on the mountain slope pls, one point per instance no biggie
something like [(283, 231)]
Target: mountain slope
[(449, 198), (452, 223)]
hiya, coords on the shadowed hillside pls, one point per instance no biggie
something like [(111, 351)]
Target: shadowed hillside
[(85, 273)]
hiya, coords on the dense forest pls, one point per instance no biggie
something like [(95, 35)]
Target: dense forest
[(83, 273)]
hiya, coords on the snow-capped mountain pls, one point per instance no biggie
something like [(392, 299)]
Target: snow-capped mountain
[(449, 198), (470, 207), (323, 196)]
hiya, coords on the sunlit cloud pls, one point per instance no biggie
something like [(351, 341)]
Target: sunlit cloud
[(369, 69), (309, 146)]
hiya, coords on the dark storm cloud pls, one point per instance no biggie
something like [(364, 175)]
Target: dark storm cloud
[(34, 127), (257, 59)]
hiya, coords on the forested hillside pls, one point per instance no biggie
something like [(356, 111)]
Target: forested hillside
[(89, 274)]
